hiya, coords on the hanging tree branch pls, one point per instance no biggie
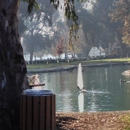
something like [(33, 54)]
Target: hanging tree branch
[(70, 14)]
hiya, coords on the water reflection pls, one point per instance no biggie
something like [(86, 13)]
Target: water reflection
[(105, 93), (81, 102), (106, 74), (92, 102)]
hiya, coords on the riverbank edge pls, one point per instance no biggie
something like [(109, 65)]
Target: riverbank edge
[(73, 67)]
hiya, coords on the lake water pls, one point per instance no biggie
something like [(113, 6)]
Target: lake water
[(105, 93)]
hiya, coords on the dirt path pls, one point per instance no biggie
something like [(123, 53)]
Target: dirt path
[(93, 121)]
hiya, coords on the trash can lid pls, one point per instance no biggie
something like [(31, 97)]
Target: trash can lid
[(34, 92)]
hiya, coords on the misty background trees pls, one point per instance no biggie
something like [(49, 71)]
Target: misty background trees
[(43, 29)]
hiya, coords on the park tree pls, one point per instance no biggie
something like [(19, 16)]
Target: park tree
[(38, 28), (53, 50), (94, 23), (121, 12), (13, 72), (88, 22), (60, 47), (33, 43), (110, 32), (101, 11)]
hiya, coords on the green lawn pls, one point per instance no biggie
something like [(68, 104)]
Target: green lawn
[(84, 62)]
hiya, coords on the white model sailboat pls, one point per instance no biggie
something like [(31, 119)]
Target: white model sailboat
[(80, 79)]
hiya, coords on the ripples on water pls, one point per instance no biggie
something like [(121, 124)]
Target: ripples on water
[(104, 92)]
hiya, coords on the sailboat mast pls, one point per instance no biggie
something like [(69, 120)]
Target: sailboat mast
[(80, 77)]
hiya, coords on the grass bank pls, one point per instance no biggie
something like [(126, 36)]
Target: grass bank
[(84, 62)]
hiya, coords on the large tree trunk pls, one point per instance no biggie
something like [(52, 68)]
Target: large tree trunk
[(13, 70)]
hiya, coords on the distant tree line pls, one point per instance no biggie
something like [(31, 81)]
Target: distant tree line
[(97, 26)]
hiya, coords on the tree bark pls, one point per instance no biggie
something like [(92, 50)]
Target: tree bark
[(31, 53), (13, 70)]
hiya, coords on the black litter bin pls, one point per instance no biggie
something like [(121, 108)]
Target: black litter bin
[(37, 110)]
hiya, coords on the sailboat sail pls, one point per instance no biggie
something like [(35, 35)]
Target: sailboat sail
[(80, 77)]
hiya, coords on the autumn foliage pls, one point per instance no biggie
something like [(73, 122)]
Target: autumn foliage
[(60, 47)]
